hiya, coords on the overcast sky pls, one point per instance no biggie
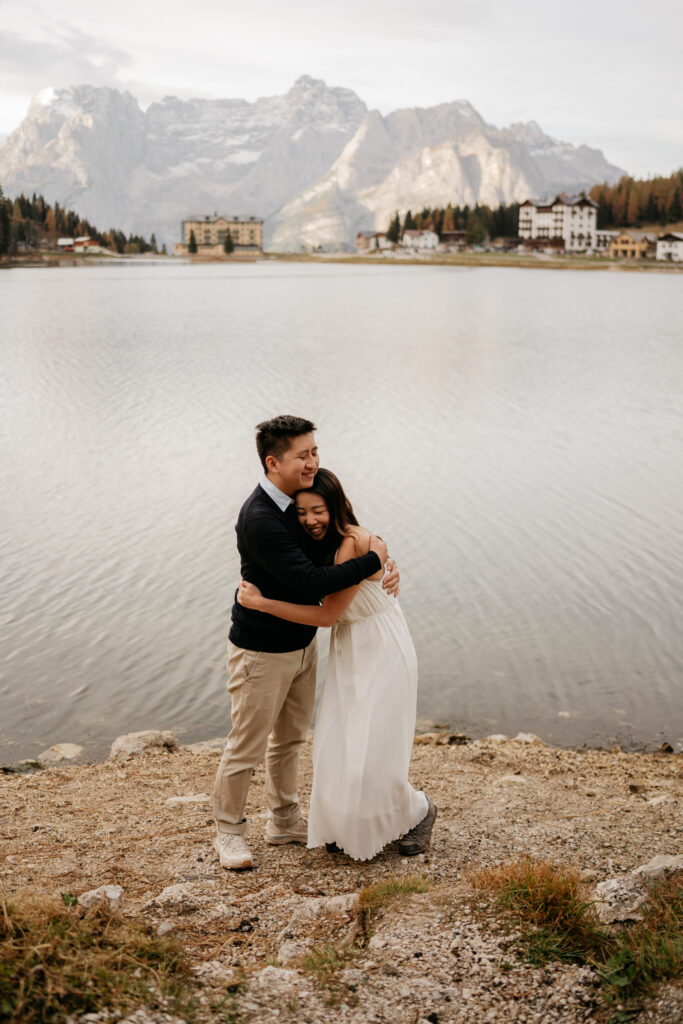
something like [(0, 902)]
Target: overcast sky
[(607, 72)]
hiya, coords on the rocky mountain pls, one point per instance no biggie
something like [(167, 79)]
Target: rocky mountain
[(316, 164)]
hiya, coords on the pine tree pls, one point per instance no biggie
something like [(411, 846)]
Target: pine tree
[(394, 230), (675, 210), (192, 244), (632, 208), (651, 210), (476, 232), (228, 245), (409, 222), (5, 224), (448, 223), (153, 243)]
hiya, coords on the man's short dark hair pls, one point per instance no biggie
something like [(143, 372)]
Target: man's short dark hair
[(273, 437)]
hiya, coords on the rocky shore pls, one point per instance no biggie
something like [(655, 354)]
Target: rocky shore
[(289, 941)]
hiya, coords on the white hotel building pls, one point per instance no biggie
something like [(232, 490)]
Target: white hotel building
[(670, 247), (571, 218)]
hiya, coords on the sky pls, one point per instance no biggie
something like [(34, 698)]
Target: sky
[(605, 73)]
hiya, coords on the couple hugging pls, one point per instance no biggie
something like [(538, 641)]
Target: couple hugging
[(300, 544)]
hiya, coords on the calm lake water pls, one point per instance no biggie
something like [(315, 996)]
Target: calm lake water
[(516, 435)]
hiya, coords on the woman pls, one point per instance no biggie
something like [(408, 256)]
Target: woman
[(361, 798)]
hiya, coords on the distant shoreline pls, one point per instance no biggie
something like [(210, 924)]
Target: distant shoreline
[(524, 261)]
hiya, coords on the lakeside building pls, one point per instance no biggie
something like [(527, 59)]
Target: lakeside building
[(210, 234), (413, 238), (633, 245), (372, 241), (453, 241), (571, 219), (604, 239), (670, 247)]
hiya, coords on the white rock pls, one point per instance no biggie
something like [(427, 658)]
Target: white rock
[(213, 969), (496, 737), (191, 798), (660, 865), (275, 980), (517, 779), (655, 801), (323, 906), (139, 742), (178, 897), (109, 894), (619, 899), (60, 752), (291, 951), (529, 737), (164, 928)]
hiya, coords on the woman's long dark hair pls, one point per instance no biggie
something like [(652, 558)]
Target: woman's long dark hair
[(327, 485)]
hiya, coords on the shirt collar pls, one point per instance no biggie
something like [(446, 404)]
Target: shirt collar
[(282, 500)]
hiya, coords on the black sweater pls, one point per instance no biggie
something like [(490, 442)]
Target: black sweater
[(272, 558)]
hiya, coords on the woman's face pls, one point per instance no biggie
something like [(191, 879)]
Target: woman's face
[(313, 514)]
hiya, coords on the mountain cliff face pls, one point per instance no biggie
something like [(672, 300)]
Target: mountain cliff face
[(314, 163)]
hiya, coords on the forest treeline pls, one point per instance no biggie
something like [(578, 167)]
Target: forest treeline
[(478, 222), (33, 223), (633, 202), (629, 203)]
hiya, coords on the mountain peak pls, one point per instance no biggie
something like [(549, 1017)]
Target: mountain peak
[(313, 162)]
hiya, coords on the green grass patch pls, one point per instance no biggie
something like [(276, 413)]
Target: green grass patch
[(57, 960), (375, 896), (558, 923), (650, 951)]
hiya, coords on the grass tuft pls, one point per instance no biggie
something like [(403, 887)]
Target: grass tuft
[(57, 960), (557, 923), (650, 951), (563, 925), (372, 897)]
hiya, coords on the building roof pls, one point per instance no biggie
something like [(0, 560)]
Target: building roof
[(414, 232), (206, 219), (638, 236), (671, 236), (548, 204)]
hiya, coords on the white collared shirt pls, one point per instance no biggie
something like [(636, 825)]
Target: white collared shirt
[(282, 500)]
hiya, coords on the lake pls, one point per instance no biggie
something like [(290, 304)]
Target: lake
[(515, 435)]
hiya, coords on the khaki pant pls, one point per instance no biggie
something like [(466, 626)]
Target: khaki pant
[(272, 707)]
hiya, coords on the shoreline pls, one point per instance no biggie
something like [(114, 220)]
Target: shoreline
[(524, 261), (66, 752), (144, 823)]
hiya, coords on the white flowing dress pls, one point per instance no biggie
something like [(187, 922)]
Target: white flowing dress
[(361, 798)]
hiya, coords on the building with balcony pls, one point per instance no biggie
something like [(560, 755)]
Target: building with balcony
[(210, 234), (569, 220), (633, 245)]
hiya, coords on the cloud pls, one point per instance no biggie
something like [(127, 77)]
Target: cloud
[(66, 56)]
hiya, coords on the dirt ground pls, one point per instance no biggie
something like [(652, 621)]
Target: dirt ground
[(74, 828)]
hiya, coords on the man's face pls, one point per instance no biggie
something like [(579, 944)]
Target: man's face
[(297, 467)]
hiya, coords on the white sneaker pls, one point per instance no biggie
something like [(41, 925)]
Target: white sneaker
[(296, 833), (233, 851)]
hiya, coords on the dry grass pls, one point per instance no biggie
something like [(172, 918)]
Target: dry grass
[(558, 923), (56, 960)]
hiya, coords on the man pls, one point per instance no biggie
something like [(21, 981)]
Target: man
[(271, 662)]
